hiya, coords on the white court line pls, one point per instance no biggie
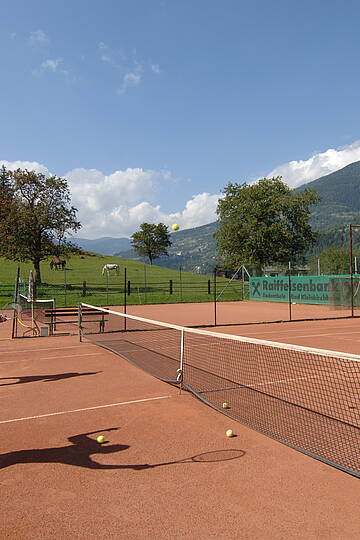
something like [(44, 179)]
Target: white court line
[(49, 358), (81, 410), (39, 350)]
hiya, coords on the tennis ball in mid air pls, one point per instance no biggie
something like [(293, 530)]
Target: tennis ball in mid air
[(100, 439), (175, 227), (229, 433), (225, 405)]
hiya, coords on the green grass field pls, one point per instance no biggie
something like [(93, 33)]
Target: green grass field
[(83, 282)]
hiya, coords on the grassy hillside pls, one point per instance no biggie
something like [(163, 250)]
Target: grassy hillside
[(83, 282)]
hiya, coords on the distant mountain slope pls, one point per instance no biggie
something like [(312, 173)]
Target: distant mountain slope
[(340, 197), (104, 246), (192, 249)]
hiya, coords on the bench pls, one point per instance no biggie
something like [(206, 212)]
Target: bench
[(52, 317)]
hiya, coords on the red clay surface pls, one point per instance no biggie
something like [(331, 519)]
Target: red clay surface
[(57, 481), (235, 312), (334, 334)]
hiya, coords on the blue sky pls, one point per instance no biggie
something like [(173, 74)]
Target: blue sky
[(150, 107)]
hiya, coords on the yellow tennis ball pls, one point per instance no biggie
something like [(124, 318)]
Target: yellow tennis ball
[(225, 405), (229, 433), (100, 439), (175, 227)]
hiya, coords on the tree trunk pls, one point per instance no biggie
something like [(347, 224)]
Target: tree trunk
[(258, 270), (37, 277)]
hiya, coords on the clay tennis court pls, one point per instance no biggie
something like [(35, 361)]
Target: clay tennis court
[(167, 469)]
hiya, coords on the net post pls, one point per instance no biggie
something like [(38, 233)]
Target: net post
[(180, 371), (80, 321)]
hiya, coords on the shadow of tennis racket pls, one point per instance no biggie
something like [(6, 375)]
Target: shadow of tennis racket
[(207, 457)]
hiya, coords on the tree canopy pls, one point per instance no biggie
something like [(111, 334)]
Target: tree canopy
[(151, 240), (264, 223), (334, 261), (35, 216)]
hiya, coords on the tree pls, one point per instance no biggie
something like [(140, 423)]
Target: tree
[(334, 261), (37, 216), (264, 223), (151, 240)]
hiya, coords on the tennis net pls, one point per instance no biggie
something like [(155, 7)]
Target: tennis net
[(38, 306), (305, 398)]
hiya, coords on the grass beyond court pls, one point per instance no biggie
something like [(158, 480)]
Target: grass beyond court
[(83, 281)]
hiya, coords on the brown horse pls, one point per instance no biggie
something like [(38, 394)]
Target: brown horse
[(57, 263)]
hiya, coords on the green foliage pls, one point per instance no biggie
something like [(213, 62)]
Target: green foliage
[(152, 240), (264, 223), (36, 216), (333, 261)]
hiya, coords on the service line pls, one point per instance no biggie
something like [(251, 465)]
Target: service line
[(81, 410)]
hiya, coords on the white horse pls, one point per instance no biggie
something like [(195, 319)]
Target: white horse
[(107, 267)]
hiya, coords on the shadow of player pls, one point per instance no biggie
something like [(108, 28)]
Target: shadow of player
[(77, 454), (45, 378)]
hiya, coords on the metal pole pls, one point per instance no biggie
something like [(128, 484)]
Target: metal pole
[(215, 321), (145, 283), (290, 314), (107, 288), (16, 298), (318, 262), (65, 284), (351, 270), (180, 284), (80, 321), (180, 371), (125, 298), (243, 284)]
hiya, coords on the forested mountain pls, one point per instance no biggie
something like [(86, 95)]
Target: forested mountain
[(106, 245), (340, 198)]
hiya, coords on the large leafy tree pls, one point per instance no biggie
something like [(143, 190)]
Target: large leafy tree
[(35, 216), (264, 223), (151, 240), (334, 261)]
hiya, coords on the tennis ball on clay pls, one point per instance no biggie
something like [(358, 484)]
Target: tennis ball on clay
[(175, 227), (229, 433), (225, 405), (100, 439)]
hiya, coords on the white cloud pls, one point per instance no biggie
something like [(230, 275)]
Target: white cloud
[(295, 173), (39, 37), (129, 80), (29, 165), (155, 68), (51, 64), (118, 203)]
